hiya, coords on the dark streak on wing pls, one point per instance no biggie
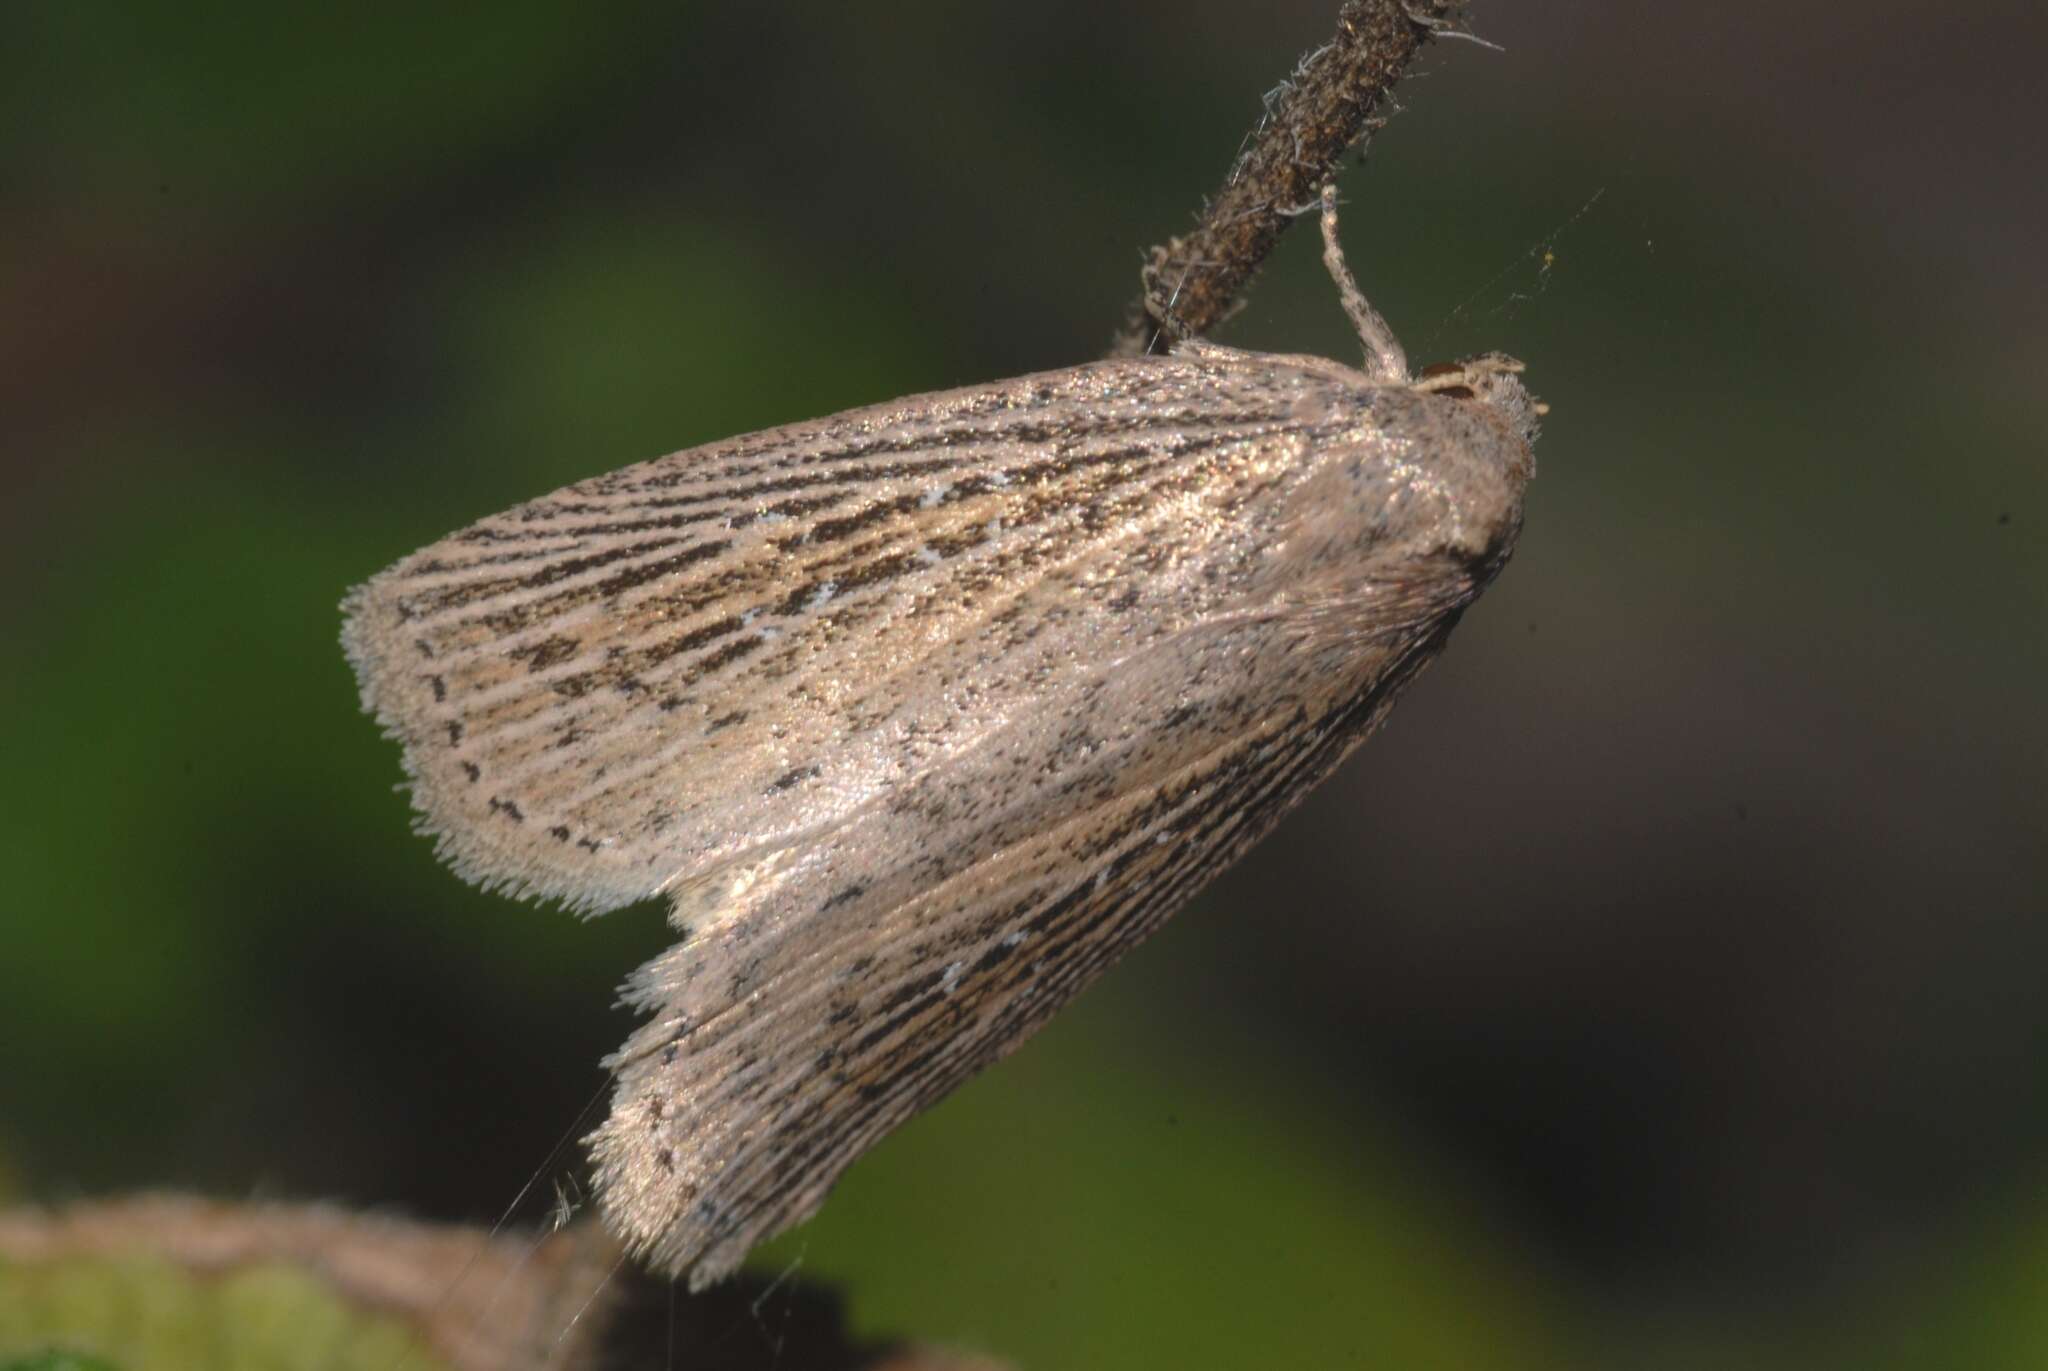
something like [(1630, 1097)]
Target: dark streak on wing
[(666, 618), (924, 1038), (1236, 801)]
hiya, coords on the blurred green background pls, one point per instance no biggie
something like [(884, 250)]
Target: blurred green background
[(1663, 988)]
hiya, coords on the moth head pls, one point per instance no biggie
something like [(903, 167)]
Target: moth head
[(1420, 503), (1492, 379), (1482, 426)]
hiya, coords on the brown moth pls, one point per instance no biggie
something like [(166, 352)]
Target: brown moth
[(923, 714)]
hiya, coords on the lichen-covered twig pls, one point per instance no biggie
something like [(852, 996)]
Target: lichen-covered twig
[(1311, 120)]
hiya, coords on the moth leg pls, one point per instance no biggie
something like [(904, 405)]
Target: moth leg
[(1384, 358)]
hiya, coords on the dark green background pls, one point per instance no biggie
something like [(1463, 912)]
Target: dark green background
[(1663, 988)]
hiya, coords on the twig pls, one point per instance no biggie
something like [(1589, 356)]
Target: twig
[(1311, 120)]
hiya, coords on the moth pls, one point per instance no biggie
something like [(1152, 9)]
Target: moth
[(923, 714)]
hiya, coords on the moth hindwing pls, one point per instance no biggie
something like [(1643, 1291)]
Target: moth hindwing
[(921, 715)]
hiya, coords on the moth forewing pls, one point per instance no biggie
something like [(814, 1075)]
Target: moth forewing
[(850, 1024), (612, 690), (922, 714)]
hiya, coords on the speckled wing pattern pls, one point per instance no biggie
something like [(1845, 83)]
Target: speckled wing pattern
[(920, 714)]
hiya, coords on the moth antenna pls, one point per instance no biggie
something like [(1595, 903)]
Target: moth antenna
[(1384, 358)]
